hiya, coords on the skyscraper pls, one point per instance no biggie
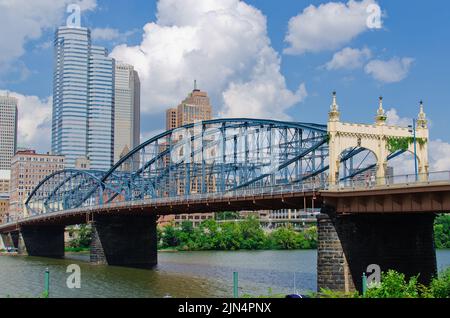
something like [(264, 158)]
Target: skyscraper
[(194, 108), (100, 143), (127, 105), (83, 100), (8, 130)]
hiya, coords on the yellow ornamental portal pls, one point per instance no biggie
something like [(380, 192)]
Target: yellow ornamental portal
[(378, 138)]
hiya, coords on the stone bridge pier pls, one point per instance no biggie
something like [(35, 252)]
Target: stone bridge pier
[(13, 240), (125, 240), (348, 244), (44, 240)]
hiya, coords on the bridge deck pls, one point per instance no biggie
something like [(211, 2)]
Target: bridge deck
[(432, 197)]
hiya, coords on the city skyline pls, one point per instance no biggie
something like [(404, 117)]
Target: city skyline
[(356, 63)]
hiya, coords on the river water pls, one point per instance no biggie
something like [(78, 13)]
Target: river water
[(183, 274)]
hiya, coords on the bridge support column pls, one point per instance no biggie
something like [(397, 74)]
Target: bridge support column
[(44, 241), (6, 241), (129, 241), (349, 244)]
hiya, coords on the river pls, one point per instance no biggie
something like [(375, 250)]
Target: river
[(183, 274)]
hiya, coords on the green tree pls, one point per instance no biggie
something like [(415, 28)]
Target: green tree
[(251, 234), (442, 231), (170, 237), (83, 236), (394, 285), (285, 238)]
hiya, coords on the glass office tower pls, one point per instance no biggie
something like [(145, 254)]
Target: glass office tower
[(83, 100)]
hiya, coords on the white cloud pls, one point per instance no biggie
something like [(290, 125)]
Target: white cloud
[(110, 34), (35, 120), (105, 34), (391, 71), (24, 20), (394, 119), (349, 58), (439, 155), (327, 27), (221, 43)]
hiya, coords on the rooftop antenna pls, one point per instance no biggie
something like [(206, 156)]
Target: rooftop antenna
[(195, 86)]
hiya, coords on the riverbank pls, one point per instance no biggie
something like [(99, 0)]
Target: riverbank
[(232, 236)]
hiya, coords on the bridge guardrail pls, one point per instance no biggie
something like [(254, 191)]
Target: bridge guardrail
[(313, 186), (371, 182)]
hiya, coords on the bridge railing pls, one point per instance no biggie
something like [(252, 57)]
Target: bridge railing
[(396, 180), (311, 186)]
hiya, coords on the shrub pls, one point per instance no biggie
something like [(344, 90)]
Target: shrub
[(440, 286), (394, 285)]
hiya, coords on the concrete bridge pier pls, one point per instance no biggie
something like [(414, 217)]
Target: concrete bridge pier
[(349, 244), (44, 240), (7, 241), (125, 240)]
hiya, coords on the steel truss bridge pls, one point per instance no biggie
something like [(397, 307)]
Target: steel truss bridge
[(210, 158)]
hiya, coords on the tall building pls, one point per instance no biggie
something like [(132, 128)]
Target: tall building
[(8, 130), (5, 177), (171, 119), (4, 208), (28, 168), (194, 108), (127, 110), (83, 100)]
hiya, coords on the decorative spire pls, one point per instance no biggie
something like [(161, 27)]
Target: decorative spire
[(422, 118), (195, 86), (334, 113), (381, 114)]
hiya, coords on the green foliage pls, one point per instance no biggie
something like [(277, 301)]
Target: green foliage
[(394, 285), (287, 238), (442, 231), (440, 286), (396, 144), (244, 235), (82, 236)]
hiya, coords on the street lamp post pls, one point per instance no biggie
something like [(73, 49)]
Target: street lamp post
[(413, 130)]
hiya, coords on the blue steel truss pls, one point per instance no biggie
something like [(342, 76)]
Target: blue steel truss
[(207, 157)]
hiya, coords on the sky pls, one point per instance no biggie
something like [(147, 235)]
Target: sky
[(256, 58)]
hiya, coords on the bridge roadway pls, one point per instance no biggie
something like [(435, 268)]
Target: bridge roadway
[(428, 197)]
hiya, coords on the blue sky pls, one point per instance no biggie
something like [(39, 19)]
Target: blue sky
[(414, 37)]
